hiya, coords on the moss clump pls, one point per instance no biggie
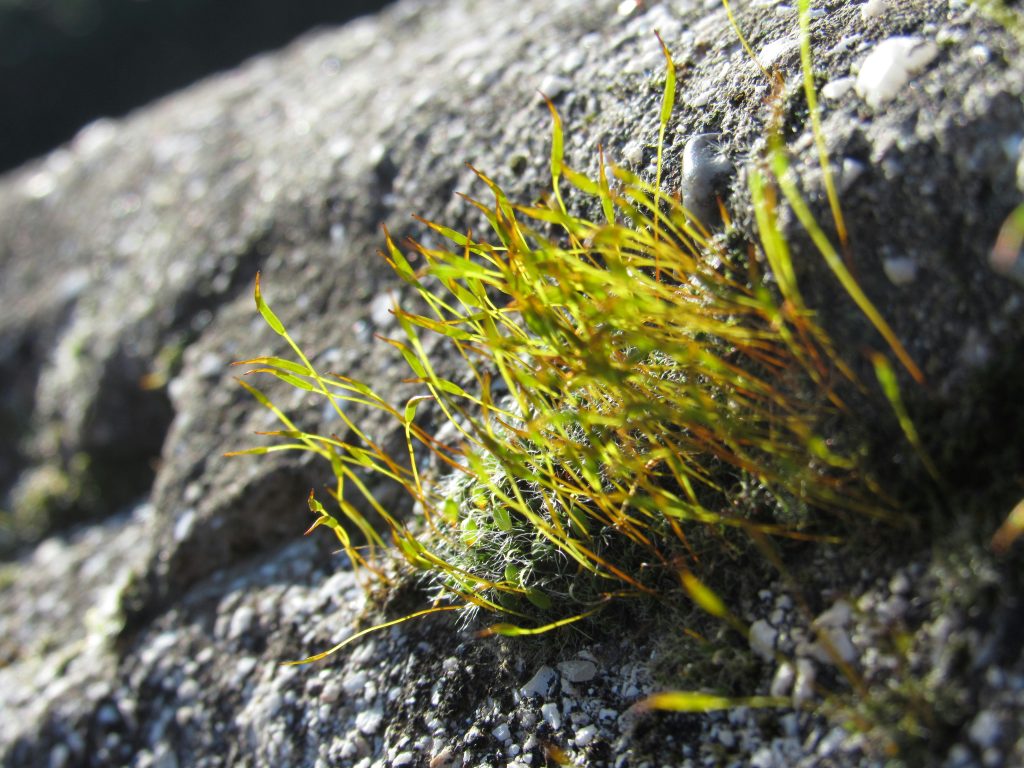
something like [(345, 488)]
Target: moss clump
[(643, 392)]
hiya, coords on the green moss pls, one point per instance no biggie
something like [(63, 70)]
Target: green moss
[(46, 497)]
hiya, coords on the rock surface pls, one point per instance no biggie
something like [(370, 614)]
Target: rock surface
[(154, 585)]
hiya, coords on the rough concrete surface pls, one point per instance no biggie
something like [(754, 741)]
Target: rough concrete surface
[(152, 586)]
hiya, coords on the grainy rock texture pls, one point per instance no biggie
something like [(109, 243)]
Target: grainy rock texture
[(152, 585)]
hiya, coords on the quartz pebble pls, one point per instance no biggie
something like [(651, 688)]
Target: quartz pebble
[(836, 89), (901, 270), (762, 639), (369, 720), (551, 715), (540, 684), (585, 735), (872, 9), (782, 682), (890, 66), (803, 690)]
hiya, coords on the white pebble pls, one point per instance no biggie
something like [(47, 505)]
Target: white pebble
[(540, 684), (551, 715), (243, 668), (502, 733), (331, 692), (585, 735), (872, 9), (762, 639), (901, 270), (900, 584), (838, 643), (369, 720), (836, 89), (763, 758), (803, 691), (354, 682), (986, 731), (782, 682), (890, 66), (776, 50), (702, 99), (554, 86), (838, 615), (382, 311), (633, 153)]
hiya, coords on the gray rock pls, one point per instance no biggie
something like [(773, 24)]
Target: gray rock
[(153, 634)]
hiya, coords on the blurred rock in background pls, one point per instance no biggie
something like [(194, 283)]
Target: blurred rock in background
[(66, 62)]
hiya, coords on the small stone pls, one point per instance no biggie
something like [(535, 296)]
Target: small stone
[(331, 692), (872, 9), (541, 682), (981, 54), (890, 66), (836, 89), (838, 615), (762, 639), (900, 585), (838, 643), (831, 743), (803, 690), (502, 733), (243, 668), (776, 50), (382, 308), (403, 758), (60, 756), (782, 682), (354, 683), (554, 86), (763, 758), (585, 735), (893, 610), (633, 153), (577, 670), (369, 720), (901, 270), (701, 99), (959, 757), (551, 715), (108, 716), (986, 730)]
